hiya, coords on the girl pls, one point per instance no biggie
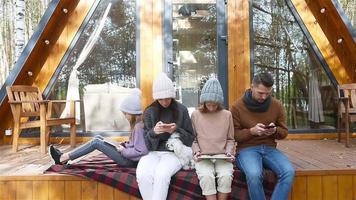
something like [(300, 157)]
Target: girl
[(214, 144), (162, 118), (126, 154)]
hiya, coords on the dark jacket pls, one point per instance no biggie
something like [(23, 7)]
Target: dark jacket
[(157, 142)]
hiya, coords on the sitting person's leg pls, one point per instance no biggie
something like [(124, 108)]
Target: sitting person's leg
[(168, 165), (145, 173), (249, 161), (97, 143), (282, 167), (224, 173), (205, 170)]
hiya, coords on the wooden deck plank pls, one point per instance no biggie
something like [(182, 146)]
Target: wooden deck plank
[(24, 190), (354, 186), (299, 189), (329, 187), (306, 155), (105, 192), (40, 190), (314, 188), (345, 187), (72, 190), (319, 154), (8, 190), (89, 190), (55, 190)]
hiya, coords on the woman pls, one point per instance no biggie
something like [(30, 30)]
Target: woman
[(214, 144), (125, 154), (162, 118)]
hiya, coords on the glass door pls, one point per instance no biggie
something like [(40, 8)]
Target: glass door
[(195, 46)]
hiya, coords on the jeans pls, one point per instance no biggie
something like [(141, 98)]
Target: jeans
[(97, 143), (251, 161), (154, 172)]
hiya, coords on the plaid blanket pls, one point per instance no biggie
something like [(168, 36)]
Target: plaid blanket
[(184, 185)]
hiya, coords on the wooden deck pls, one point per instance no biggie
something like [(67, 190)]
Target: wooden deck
[(306, 155), (325, 170)]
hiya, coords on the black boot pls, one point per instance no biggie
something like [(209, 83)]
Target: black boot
[(55, 154)]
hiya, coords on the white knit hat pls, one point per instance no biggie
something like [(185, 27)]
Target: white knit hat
[(212, 91), (163, 88), (132, 103)]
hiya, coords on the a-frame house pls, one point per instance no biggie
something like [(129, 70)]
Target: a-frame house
[(115, 44)]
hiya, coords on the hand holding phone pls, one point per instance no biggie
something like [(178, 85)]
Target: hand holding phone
[(167, 125), (270, 126)]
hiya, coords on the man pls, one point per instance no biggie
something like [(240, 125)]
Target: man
[(259, 120)]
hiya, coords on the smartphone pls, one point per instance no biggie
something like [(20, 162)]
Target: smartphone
[(272, 126), (167, 125)]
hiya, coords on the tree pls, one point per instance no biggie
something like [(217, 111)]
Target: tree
[(19, 27), (29, 14)]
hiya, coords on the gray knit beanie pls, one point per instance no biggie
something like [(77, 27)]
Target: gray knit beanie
[(212, 91), (132, 103)]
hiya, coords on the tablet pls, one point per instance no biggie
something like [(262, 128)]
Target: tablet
[(111, 142), (217, 156)]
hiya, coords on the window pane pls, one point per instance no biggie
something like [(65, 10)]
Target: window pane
[(194, 48), (101, 67), (349, 7), (300, 81)]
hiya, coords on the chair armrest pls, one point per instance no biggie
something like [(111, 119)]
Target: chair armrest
[(344, 100), (29, 101), (64, 101)]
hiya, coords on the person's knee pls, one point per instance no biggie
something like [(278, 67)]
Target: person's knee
[(288, 174), (207, 183), (206, 179), (99, 137), (143, 175), (162, 177), (96, 142), (254, 176), (224, 182)]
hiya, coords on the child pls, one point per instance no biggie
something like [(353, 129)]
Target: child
[(126, 154), (162, 118), (214, 144)]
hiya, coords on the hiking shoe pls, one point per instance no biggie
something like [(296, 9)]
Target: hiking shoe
[(55, 154)]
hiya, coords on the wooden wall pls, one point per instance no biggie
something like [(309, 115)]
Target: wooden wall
[(57, 188), (324, 185), (327, 185)]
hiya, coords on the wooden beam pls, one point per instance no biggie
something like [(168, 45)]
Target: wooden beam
[(238, 49), (324, 40), (151, 46)]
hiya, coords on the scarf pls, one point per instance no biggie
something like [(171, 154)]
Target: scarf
[(253, 105)]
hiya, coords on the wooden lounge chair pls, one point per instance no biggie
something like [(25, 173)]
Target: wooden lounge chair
[(346, 108), (29, 110)]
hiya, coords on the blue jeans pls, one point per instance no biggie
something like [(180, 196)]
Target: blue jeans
[(98, 143), (251, 161)]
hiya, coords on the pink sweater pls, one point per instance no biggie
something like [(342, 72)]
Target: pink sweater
[(214, 132)]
